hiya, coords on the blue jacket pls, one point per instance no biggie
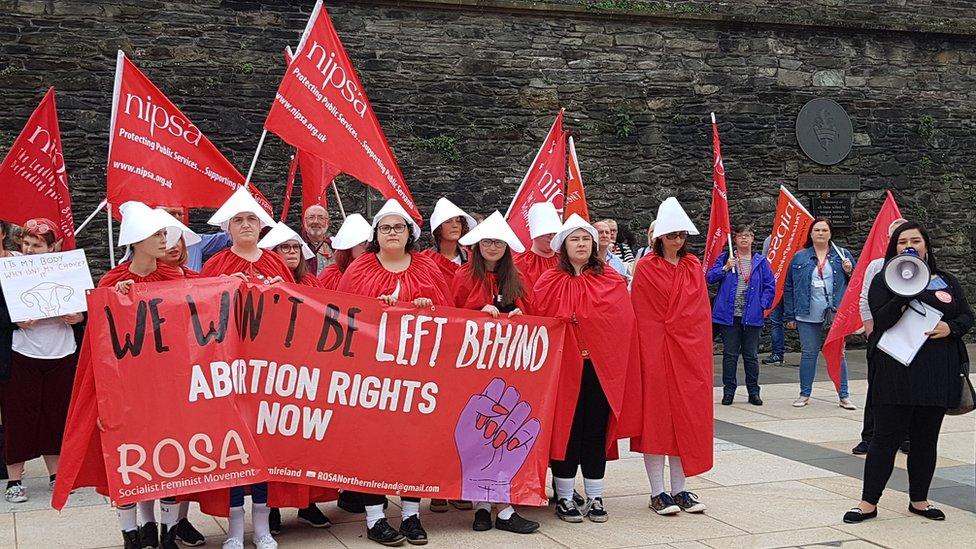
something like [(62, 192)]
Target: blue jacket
[(796, 294), (759, 295)]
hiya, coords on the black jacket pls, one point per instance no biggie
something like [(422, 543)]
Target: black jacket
[(932, 379)]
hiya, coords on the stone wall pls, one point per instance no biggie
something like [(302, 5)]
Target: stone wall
[(466, 89)]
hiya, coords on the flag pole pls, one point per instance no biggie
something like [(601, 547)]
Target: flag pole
[(254, 161), (731, 252), (338, 199), (90, 217), (111, 238)]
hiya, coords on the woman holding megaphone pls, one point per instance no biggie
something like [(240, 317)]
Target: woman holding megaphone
[(912, 400)]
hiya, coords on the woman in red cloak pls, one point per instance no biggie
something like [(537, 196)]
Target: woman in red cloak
[(290, 247), (599, 374), (675, 331), (491, 283), (543, 225), (349, 243), (448, 224), (392, 272)]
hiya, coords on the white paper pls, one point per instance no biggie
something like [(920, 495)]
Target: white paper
[(903, 340), (45, 285)]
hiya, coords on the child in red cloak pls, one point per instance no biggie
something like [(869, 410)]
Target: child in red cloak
[(349, 243), (543, 225), (600, 372), (675, 330), (392, 272), (448, 224), (491, 283)]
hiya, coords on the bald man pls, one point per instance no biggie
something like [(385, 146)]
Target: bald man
[(315, 229)]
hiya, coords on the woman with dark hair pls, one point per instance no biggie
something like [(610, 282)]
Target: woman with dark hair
[(913, 400), (489, 282), (35, 394), (746, 291), (815, 285), (599, 373), (448, 224), (392, 272), (675, 332), (348, 244), (285, 242)]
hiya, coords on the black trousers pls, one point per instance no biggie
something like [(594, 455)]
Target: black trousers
[(867, 432), (588, 437), (891, 424)]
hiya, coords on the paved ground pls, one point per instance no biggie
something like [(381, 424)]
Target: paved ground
[(783, 477)]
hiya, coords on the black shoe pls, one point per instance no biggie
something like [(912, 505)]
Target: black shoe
[(566, 509), (929, 512), (516, 524), (149, 535), (131, 539), (856, 515), (776, 360), (313, 517), (413, 530), (726, 400), (755, 400), (351, 503), (274, 521), (861, 449), (384, 534), (905, 447), (595, 511), (482, 521), (188, 535), (167, 538)]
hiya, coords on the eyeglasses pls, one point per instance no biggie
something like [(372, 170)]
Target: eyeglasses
[(396, 229), (36, 227), (289, 247), (674, 236), (492, 243)]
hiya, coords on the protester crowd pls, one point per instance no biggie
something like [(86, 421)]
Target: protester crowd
[(646, 376)]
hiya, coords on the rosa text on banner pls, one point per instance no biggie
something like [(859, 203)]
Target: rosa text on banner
[(306, 386)]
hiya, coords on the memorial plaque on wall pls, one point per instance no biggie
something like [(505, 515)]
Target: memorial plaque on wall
[(835, 208), (824, 131), (833, 182)]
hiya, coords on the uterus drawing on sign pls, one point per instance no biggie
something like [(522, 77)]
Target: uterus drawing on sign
[(47, 297)]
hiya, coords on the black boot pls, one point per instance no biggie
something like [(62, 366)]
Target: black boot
[(131, 539), (149, 535), (167, 537)]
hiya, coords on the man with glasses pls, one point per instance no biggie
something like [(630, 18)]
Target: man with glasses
[(315, 226)]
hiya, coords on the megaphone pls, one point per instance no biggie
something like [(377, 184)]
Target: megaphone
[(906, 274)]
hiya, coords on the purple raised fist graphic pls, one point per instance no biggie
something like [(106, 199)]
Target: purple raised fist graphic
[(494, 436)]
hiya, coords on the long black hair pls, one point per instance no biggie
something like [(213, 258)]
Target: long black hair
[(593, 263), (892, 250), (509, 284)]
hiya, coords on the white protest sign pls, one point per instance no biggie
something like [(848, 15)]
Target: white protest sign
[(45, 285)]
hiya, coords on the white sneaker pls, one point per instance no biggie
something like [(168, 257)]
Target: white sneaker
[(801, 402), (266, 542), (233, 543), (16, 494), (846, 404)]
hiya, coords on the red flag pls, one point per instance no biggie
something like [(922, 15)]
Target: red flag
[(321, 108), (718, 221), (317, 176), (848, 317), (542, 183), (157, 156), (575, 194), (289, 185), (790, 229), (33, 175)]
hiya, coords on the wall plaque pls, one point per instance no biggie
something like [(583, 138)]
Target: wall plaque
[(835, 208), (819, 183), (824, 131)]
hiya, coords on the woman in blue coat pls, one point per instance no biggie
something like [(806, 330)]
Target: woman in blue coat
[(815, 285), (746, 291)]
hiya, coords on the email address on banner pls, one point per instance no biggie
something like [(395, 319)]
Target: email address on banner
[(392, 487), (142, 172)]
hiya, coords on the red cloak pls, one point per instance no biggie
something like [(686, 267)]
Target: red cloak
[(329, 277), (532, 265), (674, 323), (310, 280), (446, 266), (471, 293), (82, 463), (602, 321), (366, 276), (226, 262)]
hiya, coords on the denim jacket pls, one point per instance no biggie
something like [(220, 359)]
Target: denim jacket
[(759, 295), (796, 294)]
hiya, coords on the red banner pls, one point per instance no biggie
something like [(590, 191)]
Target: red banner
[(575, 193), (34, 172), (790, 228), (321, 108), (542, 183), (718, 221), (309, 386), (848, 317), (157, 156)]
